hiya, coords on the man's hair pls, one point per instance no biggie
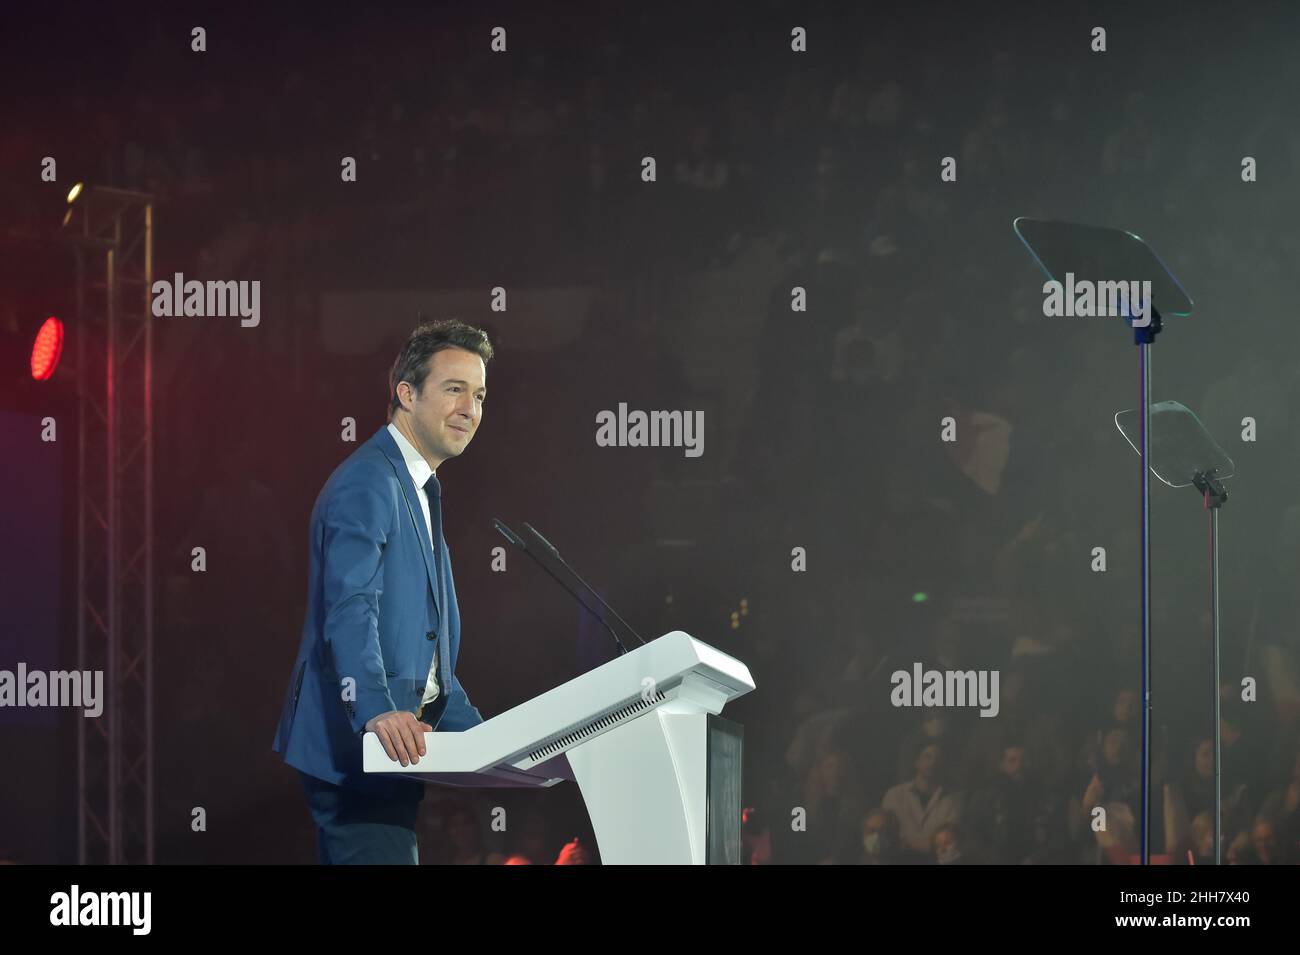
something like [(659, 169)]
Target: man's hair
[(412, 363)]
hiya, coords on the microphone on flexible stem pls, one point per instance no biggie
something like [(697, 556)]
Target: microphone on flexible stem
[(556, 554), (523, 545)]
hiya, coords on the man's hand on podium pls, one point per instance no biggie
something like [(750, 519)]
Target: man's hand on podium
[(401, 733)]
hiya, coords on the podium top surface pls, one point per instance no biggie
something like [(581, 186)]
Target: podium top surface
[(538, 730)]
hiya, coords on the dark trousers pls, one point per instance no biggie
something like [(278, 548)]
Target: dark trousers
[(356, 828)]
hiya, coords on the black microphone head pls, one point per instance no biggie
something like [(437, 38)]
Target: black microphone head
[(508, 534)]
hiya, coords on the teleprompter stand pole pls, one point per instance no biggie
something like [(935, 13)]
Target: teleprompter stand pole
[(1214, 496)]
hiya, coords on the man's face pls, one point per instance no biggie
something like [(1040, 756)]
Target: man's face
[(1263, 838), (1205, 759), (446, 411), (1204, 835), (945, 844), (1013, 761), (873, 834), (927, 761), (831, 771), (1125, 706)]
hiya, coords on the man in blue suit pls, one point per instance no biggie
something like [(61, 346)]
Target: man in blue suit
[(382, 631)]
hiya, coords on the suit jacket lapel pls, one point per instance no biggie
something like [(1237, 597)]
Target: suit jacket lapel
[(394, 455)]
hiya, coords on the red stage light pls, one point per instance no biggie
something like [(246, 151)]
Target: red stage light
[(47, 349)]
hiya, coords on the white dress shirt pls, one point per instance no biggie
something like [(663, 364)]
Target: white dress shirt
[(420, 472)]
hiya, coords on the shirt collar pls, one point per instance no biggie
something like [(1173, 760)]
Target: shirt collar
[(415, 462), (934, 794)]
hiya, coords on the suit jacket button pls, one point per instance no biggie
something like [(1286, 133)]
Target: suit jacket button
[(431, 635)]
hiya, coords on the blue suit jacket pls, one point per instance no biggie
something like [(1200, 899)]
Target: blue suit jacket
[(377, 611)]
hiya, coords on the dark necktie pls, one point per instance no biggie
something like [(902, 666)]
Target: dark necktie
[(433, 490)]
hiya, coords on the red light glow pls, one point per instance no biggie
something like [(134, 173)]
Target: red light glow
[(47, 349)]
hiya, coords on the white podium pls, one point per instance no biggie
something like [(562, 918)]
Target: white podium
[(658, 769)]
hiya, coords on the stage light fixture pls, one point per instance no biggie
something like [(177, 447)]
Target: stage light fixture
[(47, 348)]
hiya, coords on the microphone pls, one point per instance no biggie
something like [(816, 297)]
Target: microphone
[(543, 545), (573, 573), (509, 534)]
